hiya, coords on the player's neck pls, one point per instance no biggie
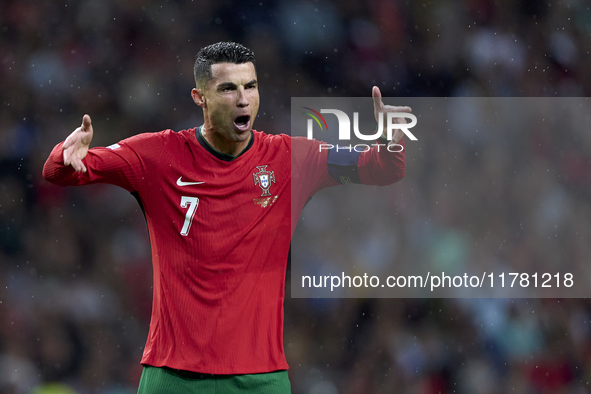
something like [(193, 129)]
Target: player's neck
[(223, 145)]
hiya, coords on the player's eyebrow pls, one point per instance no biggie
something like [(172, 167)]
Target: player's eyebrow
[(232, 85), (226, 85)]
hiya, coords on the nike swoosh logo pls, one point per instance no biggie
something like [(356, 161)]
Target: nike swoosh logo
[(181, 183)]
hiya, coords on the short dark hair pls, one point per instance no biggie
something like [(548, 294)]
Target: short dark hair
[(221, 52)]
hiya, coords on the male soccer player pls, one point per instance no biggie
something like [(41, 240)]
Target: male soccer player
[(218, 202)]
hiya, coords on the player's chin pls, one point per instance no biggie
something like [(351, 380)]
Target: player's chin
[(238, 135), (241, 135)]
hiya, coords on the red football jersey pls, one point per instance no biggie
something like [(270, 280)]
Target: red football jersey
[(220, 229)]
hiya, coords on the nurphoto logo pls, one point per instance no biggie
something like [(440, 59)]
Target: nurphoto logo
[(345, 128)]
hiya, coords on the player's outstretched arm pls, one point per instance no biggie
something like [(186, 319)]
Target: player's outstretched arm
[(379, 107), (64, 166), (125, 164), (76, 145), (382, 166)]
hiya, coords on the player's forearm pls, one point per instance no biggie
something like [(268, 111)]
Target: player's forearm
[(382, 166), (56, 172)]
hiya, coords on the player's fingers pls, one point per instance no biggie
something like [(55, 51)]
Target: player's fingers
[(72, 138), (377, 98), (86, 122), (394, 108), (81, 166), (74, 162), (67, 156), (78, 165), (397, 136)]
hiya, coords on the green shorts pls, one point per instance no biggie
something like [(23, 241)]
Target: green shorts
[(163, 380)]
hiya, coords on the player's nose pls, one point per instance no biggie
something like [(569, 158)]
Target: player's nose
[(241, 99)]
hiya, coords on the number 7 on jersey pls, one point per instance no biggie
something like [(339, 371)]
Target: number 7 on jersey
[(192, 203)]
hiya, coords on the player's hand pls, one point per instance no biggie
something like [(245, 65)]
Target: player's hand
[(77, 144), (379, 107)]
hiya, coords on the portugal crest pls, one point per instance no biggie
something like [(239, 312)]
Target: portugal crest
[(263, 178)]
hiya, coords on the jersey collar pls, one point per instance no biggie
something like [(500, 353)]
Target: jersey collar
[(222, 156)]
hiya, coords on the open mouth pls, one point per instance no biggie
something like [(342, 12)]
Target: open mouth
[(242, 122)]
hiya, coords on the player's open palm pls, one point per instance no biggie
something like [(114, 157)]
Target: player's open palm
[(77, 144), (379, 107)]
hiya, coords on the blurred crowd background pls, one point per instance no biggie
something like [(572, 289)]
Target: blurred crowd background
[(75, 273)]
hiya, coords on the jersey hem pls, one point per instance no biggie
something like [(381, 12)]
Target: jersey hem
[(218, 371)]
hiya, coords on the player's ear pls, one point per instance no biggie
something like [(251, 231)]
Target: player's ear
[(198, 97)]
